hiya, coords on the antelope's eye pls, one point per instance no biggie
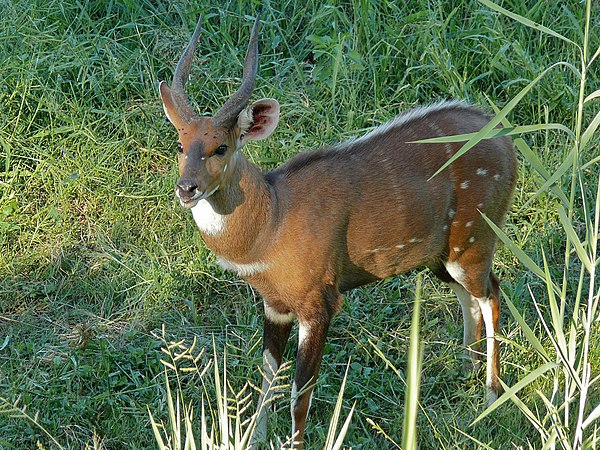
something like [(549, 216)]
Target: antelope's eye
[(221, 150), (179, 147)]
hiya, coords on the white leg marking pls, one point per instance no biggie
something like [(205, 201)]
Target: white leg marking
[(455, 270), (303, 333), (276, 317), (471, 317), (471, 312), (488, 319)]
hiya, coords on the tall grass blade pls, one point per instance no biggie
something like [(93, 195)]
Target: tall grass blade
[(497, 119), (589, 131), (593, 95), (413, 377), (520, 254), (556, 312), (526, 22), (157, 435), (568, 228), (498, 132), (533, 159), (561, 351), (331, 443), (529, 334), (551, 180), (513, 390), (594, 415)]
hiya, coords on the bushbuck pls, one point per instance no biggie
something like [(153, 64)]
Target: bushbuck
[(339, 217)]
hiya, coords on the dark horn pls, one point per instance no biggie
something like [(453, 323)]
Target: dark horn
[(227, 115), (181, 75)]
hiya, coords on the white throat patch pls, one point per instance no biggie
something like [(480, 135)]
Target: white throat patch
[(208, 220)]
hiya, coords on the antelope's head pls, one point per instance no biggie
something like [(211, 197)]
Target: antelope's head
[(206, 144)]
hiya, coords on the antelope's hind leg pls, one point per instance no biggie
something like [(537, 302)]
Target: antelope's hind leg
[(472, 325), (472, 319), (490, 310), (478, 292)]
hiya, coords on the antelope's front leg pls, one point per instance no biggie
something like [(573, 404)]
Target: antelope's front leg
[(275, 335), (311, 340)]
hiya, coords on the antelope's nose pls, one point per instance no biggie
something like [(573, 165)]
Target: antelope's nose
[(187, 188)]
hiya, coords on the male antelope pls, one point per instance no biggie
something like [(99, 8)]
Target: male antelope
[(333, 219)]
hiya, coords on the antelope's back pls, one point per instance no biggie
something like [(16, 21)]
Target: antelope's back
[(390, 217)]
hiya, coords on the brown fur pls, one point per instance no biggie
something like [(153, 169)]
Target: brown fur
[(337, 218)]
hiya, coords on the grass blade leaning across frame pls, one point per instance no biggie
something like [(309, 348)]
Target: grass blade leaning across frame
[(512, 390), (529, 334), (413, 377), (533, 159), (527, 22), (488, 129)]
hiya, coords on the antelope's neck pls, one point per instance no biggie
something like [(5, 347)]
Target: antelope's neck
[(236, 220)]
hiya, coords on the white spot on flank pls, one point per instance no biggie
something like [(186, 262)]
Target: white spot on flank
[(497, 177), (469, 224), (457, 249), (465, 184), (209, 221), (451, 213), (415, 240), (480, 205), (243, 270), (375, 250), (472, 239), (400, 246), (445, 227), (482, 172), (455, 269), (277, 317)]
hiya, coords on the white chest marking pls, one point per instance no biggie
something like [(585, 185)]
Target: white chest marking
[(209, 221), (243, 270)]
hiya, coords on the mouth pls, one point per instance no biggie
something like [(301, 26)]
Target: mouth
[(189, 203)]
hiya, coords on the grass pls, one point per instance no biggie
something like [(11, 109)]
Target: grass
[(96, 255)]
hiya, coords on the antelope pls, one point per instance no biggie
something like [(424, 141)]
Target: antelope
[(336, 218)]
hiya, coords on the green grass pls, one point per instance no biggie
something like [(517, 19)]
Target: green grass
[(96, 255)]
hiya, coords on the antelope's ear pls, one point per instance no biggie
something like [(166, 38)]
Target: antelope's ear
[(169, 104), (258, 120)]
